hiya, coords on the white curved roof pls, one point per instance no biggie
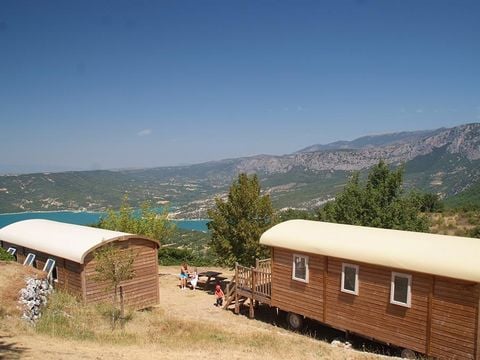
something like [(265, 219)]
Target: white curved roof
[(450, 256), (64, 240)]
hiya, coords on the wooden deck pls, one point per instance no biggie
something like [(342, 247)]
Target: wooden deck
[(250, 283)]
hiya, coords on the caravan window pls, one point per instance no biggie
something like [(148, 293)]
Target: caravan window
[(401, 289), (50, 269), (300, 268), (12, 251), (29, 260), (349, 279)]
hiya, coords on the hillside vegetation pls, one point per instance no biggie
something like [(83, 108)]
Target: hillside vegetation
[(442, 161), (469, 199)]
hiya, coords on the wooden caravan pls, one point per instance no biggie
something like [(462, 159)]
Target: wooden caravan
[(414, 290), (66, 251)]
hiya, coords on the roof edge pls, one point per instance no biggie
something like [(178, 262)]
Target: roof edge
[(118, 238)]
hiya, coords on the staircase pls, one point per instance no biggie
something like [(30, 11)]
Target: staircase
[(248, 283)]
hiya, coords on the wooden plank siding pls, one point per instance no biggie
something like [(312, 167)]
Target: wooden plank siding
[(454, 319), (295, 296), (442, 321), (140, 292), (477, 346), (371, 313), (69, 277)]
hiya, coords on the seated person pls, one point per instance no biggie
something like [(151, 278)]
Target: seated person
[(194, 279)]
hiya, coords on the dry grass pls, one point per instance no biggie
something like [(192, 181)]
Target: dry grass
[(186, 324), (458, 224), (12, 280), (68, 319)]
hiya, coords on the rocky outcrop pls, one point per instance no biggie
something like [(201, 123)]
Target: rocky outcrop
[(33, 297), (464, 140)]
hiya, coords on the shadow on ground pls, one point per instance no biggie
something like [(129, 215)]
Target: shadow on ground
[(10, 350), (318, 331)]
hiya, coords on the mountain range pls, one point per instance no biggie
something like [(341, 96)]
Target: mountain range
[(445, 161)]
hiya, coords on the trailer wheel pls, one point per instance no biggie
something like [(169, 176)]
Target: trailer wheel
[(408, 354), (295, 321)]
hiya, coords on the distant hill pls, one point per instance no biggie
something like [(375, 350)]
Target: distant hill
[(373, 141), (443, 161)]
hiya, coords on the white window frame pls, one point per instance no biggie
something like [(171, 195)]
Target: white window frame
[(28, 262), (11, 251), (306, 268), (50, 272), (342, 285), (409, 289)]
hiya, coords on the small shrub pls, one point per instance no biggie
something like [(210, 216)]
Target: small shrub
[(459, 232), (474, 218), (5, 256), (475, 232)]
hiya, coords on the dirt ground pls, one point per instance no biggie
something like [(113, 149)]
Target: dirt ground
[(183, 304)]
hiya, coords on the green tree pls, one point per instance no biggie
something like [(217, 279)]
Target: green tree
[(238, 222), (292, 214), (430, 202), (113, 266), (147, 222), (380, 202)]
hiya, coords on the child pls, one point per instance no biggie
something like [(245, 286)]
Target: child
[(219, 295), (194, 279)]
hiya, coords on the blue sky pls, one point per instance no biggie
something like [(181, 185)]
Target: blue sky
[(112, 84)]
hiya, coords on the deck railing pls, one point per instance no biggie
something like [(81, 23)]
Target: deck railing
[(256, 281), (264, 265), (243, 275)]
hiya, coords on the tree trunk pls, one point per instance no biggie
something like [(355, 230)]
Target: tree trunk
[(114, 307), (122, 308)]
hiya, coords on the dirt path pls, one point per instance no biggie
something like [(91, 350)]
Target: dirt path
[(181, 304)]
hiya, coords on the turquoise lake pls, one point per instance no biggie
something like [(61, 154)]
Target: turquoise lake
[(86, 218)]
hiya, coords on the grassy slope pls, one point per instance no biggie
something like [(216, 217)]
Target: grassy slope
[(12, 279), (185, 324)]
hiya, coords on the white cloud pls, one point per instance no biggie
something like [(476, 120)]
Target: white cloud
[(419, 111), (144, 132)]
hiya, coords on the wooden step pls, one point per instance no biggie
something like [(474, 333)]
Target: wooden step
[(241, 301)]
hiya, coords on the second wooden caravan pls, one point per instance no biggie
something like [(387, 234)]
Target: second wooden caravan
[(414, 290)]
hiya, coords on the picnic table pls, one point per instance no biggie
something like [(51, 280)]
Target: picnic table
[(211, 276)]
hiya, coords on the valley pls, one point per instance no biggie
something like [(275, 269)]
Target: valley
[(441, 161)]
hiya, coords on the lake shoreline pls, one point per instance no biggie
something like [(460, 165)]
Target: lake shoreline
[(88, 218), (53, 211)]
